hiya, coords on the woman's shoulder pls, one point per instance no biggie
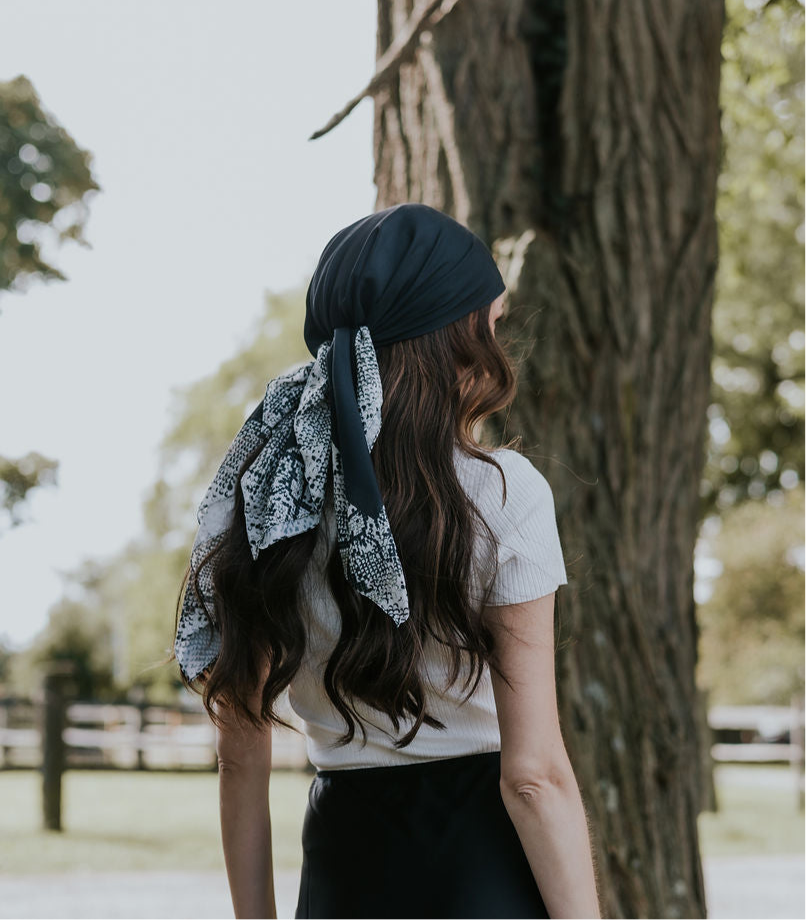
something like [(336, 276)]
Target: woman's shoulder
[(526, 486)]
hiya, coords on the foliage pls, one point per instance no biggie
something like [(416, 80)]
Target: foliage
[(44, 178), (18, 477), (752, 627), (77, 634), (756, 417), (6, 658)]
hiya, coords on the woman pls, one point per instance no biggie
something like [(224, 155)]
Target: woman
[(360, 548)]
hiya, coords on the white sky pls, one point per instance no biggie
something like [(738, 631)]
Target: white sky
[(197, 114)]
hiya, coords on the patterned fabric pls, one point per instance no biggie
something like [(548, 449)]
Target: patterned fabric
[(284, 492)]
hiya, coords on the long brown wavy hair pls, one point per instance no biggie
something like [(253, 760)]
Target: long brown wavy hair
[(437, 389)]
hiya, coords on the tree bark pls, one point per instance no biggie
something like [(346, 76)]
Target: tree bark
[(581, 140)]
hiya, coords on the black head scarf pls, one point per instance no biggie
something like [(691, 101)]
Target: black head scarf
[(401, 272), (396, 274)]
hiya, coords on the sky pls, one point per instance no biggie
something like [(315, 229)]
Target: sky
[(197, 116)]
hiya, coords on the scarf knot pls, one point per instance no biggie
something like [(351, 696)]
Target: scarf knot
[(284, 486)]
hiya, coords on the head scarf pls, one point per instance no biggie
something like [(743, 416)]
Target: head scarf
[(396, 274)]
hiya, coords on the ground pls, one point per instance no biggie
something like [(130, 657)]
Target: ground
[(737, 887), (146, 845)]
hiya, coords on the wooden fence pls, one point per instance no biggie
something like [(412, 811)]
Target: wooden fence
[(761, 734), (54, 734), (125, 736), (146, 737)]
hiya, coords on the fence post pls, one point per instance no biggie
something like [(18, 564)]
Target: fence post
[(4, 749), (136, 697), (54, 706), (708, 799), (142, 723), (796, 741)]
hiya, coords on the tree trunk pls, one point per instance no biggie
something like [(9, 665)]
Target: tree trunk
[(581, 141)]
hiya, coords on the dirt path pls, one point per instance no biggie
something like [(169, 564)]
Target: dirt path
[(763, 886)]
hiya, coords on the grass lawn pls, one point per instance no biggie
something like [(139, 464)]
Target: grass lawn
[(116, 821), (163, 821), (757, 813)]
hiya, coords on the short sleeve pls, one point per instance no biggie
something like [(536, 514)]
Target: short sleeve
[(529, 554)]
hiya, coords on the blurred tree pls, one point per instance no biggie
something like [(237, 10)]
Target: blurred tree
[(196, 441), (206, 417), (757, 411), (123, 606), (582, 141), (7, 654), (78, 631), (752, 627), (45, 179), (18, 477)]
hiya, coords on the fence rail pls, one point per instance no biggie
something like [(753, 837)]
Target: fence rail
[(127, 736)]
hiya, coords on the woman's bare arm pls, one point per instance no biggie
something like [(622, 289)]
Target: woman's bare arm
[(538, 785), (244, 766)]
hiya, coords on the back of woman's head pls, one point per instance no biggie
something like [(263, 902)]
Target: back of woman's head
[(437, 389)]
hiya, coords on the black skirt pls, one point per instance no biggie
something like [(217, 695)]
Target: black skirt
[(430, 839)]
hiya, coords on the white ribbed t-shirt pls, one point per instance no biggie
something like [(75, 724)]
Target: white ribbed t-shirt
[(530, 565)]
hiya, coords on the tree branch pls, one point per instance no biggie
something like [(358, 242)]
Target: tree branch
[(426, 13)]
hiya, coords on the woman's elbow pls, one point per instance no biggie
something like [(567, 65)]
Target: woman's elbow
[(531, 785), (239, 767), (243, 755)]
